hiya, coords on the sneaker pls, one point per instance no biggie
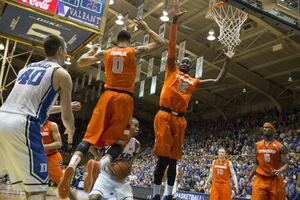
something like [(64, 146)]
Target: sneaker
[(156, 197), (93, 170), (168, 197), (64, 185)]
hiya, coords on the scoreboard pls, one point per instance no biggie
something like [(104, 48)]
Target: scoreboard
[(87, 12), (77, 21)]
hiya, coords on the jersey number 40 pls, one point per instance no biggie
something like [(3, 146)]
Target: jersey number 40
[(31, 77)]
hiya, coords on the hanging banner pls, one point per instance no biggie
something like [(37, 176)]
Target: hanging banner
[(163, 62), (76, 84), (98, 76), (150, 67), (86, 96), (153, 85), (93, 93), (140, 10), (162, 30), (83, 80), (181, 50), (142, 87), (90, 78), (138, 73), (146, 39), (199, 67)]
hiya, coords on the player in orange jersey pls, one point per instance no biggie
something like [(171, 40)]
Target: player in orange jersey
[(52, 142), (269, 165), (170, 123), (220, 177), (115, 106)]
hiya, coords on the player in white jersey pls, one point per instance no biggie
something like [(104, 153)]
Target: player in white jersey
[(26, 108), (107, 185)]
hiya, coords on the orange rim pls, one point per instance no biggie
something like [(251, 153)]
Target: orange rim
[(217, 5)]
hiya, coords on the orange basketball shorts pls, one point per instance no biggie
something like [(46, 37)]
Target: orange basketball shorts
[(109, 120), (55, 167), (270, 188), (169, 135), (220, 191)]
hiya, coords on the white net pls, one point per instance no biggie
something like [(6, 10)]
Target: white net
[(230, 21)]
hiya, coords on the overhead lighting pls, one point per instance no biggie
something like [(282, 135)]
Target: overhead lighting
[(211, 35), (89, 45), (68, 61), (164, 17), (111, 2), (119, 20), (290, 79), (196, 102), (244, 90), (1, 46), (98, 62)]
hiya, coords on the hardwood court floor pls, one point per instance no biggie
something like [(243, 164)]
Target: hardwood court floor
[(7, 193)]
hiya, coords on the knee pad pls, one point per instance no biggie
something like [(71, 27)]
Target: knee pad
[(160, 169), (114, 151), (83, 147), (172, 172)]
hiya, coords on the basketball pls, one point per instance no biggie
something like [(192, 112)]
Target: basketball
[(120, 169)]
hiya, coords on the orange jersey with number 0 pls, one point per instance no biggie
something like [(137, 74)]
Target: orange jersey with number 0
[(120, 69)]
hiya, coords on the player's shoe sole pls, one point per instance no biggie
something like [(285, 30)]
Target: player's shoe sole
[(64, 185), (93, 170)]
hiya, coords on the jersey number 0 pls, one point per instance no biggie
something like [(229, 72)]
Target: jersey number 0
[(118, 65)]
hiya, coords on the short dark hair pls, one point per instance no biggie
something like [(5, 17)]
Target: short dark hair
[(123, 36), (52, 43)]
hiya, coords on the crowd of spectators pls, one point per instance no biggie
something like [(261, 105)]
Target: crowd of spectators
[(203, 139)]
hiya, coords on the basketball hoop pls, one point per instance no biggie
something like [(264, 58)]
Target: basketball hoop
[(229, 20)]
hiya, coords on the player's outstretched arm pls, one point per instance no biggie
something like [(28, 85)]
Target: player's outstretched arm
[(91, 57), (56, 144), (172, 35), (158, 41), (62, 81), (222, 74)]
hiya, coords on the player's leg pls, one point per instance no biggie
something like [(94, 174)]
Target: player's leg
[(103, 187), (124, 191), (171, 176), (225, 191), (260, 188), (93, 170), (93, 133), (162, 148), (178, 125), (277, 189), (215, 192)]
